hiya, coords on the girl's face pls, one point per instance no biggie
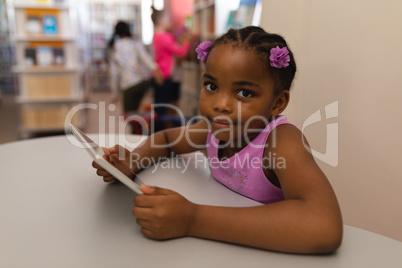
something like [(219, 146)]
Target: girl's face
[(164, 22), (237, 95)]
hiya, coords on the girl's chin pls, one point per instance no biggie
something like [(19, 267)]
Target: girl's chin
[(225, 135)]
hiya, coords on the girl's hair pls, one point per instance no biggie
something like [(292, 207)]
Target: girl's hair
[(256, 39), (122, 29), (156, 15)]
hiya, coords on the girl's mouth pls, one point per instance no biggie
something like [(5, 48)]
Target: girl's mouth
[(222, 124)]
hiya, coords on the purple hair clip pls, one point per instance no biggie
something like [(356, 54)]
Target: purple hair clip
[(203, 50), (279, 57)]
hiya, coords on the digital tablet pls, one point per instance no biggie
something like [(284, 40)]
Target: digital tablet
[(97, 155)]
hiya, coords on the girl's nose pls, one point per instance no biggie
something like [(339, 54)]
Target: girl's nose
[(223, 103)]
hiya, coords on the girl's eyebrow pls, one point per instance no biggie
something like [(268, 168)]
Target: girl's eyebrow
[(238, 83), (247, 83), (209, 76)]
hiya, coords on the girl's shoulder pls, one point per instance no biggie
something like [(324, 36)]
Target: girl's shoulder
[(163, 36), (288, 153), (285, 138), (124, 42)]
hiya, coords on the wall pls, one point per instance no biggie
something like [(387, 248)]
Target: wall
[(350, 52)]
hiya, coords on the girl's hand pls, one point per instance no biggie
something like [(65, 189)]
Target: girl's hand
[(163, 213), (119, 157), (186, 37), (158, 76)]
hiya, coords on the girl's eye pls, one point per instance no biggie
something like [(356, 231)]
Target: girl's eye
[(209, 86), (245, 93)]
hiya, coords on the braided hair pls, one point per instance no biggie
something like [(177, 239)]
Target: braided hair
[(156, 15), (259, 41), (122, 29)]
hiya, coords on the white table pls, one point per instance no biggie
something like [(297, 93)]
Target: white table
[(55, 212)]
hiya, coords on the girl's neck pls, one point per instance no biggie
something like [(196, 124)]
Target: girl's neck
[(159, 29), (234, 146), (230, 150)]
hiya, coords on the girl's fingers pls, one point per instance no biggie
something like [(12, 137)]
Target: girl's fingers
[(154, 190), (115, 149), (143, 213), (146, 201), (147, 233), (95, 165), (108, 178), (102, 173), (144, 223)]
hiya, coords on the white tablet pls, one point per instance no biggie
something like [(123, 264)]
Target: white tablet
[(97, 154)]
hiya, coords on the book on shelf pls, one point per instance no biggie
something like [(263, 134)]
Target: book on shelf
[(44, 54), (58, 54), (42, 21), (243, 16), (50, 25), (34, 25), (30, 57), (43, 1)]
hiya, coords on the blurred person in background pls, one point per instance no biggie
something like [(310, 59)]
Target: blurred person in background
[(130, 67), (165, 48)]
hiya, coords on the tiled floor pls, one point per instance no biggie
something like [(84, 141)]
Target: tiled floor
[(9, 116)]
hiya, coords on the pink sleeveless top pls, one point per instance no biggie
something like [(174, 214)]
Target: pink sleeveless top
[(244, 171)]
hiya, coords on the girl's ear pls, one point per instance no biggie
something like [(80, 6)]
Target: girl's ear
[(281, 102)]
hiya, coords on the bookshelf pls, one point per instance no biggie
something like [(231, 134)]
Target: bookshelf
[(49, 63), (103, 17), (8, 80), (202, 25), (204, 19)]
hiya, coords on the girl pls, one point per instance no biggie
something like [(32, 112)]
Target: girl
[(125, 57), (165, 48), (248, 74)]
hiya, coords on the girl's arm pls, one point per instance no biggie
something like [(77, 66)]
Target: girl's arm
[(149, 62), (145, 57), (307, 221), (161, 144), (170, 141), (174, 48), (114, 77)]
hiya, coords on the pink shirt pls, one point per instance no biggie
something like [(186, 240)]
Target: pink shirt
[(165, 48), (244, 171)]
